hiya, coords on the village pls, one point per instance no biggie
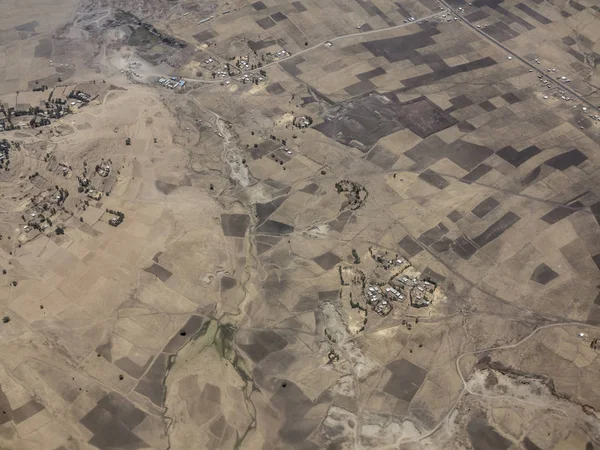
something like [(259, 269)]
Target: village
[(396, 281), (383, 284), (405, 285), (44, 213), (247, 69), (50, 205), (5, 147), (40, 106)]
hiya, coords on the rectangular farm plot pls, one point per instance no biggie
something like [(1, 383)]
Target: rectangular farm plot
[(406, 379)]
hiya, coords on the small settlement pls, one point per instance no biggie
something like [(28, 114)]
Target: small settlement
[(172, 82), (247, 68), (96, 183), (302, 122), (4, 153), (382, 283), (404, 285), (46, 211), (38, 107)]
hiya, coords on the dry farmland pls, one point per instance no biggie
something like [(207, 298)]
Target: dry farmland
[(300, 225)]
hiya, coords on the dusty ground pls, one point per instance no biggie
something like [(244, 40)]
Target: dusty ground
[(227, 310)]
